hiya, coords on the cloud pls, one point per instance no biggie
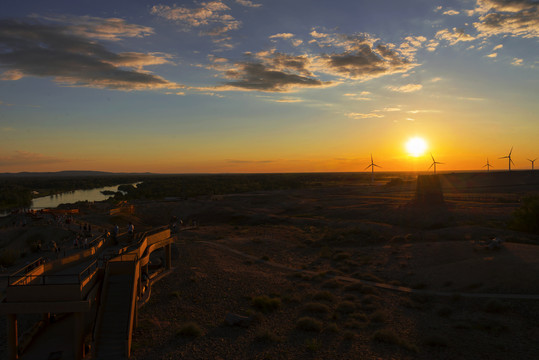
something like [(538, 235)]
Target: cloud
[(98, 28), (517, 62), (493, 55), (28, 158), (32, 48), (282, 36), (497, 47), (211, 17), (361, 58), (455, 36), (248, 3), (406, 88), (261, 77), (234, 161), (518, 18), (287, 36), (358, 116), (451, 12), (288, 100)]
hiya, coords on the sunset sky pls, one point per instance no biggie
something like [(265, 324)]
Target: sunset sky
[(267, 85)]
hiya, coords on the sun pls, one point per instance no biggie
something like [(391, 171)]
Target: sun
[(416, 146)]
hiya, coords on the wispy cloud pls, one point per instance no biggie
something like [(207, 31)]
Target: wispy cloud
[(406, 88), (282, 36), (517, 62), (248, 3), (212, 17), (33, 48), (451, 12), (455, 36), (358, 116), (28, 158), (112, 29), (235, 161)]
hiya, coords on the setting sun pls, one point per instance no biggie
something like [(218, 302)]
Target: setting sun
[(416, 146)]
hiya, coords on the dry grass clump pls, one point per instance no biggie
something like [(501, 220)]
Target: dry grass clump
[(8, 257), (378, 317), (318, 308), (346, 307), (324, 296), (388, 336), (266, 304), (265, 335), (190, 329), (307, 323)]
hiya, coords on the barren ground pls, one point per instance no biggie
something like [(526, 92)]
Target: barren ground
[(361, 232)]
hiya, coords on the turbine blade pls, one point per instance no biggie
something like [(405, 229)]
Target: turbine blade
[(511, 151), (432, 156), (431, 165), (504, 157), (368, 167)]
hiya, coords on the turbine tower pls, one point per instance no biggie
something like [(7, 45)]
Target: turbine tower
[(434, 162), (509, 158), (488, 166), (533, 162), (372, 165)]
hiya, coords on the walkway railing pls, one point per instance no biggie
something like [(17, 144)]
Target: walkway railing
[(57, 279)]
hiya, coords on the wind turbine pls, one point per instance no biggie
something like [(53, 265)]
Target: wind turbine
[(488, 166), (532, 161), (509, 157), (372, 165), (434, 162)]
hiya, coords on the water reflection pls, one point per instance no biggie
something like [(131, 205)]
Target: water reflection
[(71, 197)]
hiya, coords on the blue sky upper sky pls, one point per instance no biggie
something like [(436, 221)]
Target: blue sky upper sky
[(266, 86)]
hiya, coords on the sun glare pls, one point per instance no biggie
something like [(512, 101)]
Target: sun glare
[(416, 146)]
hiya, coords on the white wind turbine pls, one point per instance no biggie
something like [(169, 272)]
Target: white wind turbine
[(434, 162), (509, 158), (532, 161), (488, 166), (372, 165)]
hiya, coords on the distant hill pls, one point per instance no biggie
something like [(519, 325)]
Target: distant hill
[(69, 173)]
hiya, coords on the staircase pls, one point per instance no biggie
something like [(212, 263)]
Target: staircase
[(112, 334)]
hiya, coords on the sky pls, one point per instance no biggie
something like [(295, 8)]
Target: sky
[(241, 86)]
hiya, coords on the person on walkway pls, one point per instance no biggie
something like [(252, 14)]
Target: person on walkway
[(131, 230)]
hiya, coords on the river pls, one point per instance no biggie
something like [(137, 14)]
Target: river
[(70, 197)]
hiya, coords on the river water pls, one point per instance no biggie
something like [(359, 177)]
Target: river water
[(50, 202)]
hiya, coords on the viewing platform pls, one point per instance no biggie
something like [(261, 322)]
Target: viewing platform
[(91, 296)]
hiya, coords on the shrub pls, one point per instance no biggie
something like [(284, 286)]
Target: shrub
[(526, 218), (332, 284), (378, 317), (346, 307), (313, 344), (388, 336), (189, 329), (316, 308), (324, 295), (8, 257), (267, 336), (266, 304), (309, 324)]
